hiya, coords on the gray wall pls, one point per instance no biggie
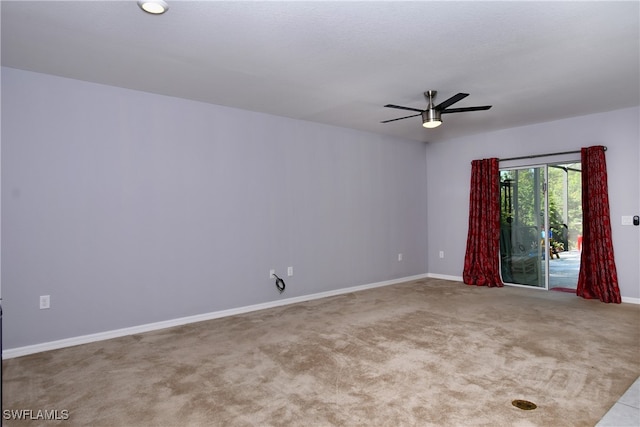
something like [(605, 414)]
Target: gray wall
[(449, 173), (131, 208)]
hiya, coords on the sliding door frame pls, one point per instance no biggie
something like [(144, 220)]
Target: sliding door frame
[(545, 225)]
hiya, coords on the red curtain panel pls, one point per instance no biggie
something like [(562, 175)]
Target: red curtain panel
[(481, 261), (598, 277)]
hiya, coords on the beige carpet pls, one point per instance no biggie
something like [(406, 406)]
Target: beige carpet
[(424, 353)]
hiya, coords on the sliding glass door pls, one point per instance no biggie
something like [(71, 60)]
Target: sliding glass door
[(541, 225), (523, 222)]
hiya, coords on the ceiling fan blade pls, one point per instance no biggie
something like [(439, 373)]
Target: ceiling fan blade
[(401, 118), (451, 101), (462, 110), (403, 108)]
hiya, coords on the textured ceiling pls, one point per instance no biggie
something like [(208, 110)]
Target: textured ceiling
[(339, 62)]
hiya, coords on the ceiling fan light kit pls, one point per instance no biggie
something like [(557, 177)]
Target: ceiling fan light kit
[(431, 116)]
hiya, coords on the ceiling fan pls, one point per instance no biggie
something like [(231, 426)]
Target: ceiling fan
[(431, 116)]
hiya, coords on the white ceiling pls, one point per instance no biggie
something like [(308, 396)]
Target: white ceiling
[(339, 62)]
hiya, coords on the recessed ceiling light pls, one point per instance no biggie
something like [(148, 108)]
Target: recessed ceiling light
[(155, 7)]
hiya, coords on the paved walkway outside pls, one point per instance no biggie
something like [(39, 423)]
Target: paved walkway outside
[(563, 272)]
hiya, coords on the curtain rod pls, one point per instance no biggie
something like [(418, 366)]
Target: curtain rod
[(533, 156)]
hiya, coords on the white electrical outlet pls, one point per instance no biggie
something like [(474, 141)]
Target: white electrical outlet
[(441, 254), (45, 302), (272, 272), (399, 257), (290, 271)]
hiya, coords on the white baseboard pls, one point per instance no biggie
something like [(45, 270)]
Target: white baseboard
[(445, 277), (631, 300), (85, 339)]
